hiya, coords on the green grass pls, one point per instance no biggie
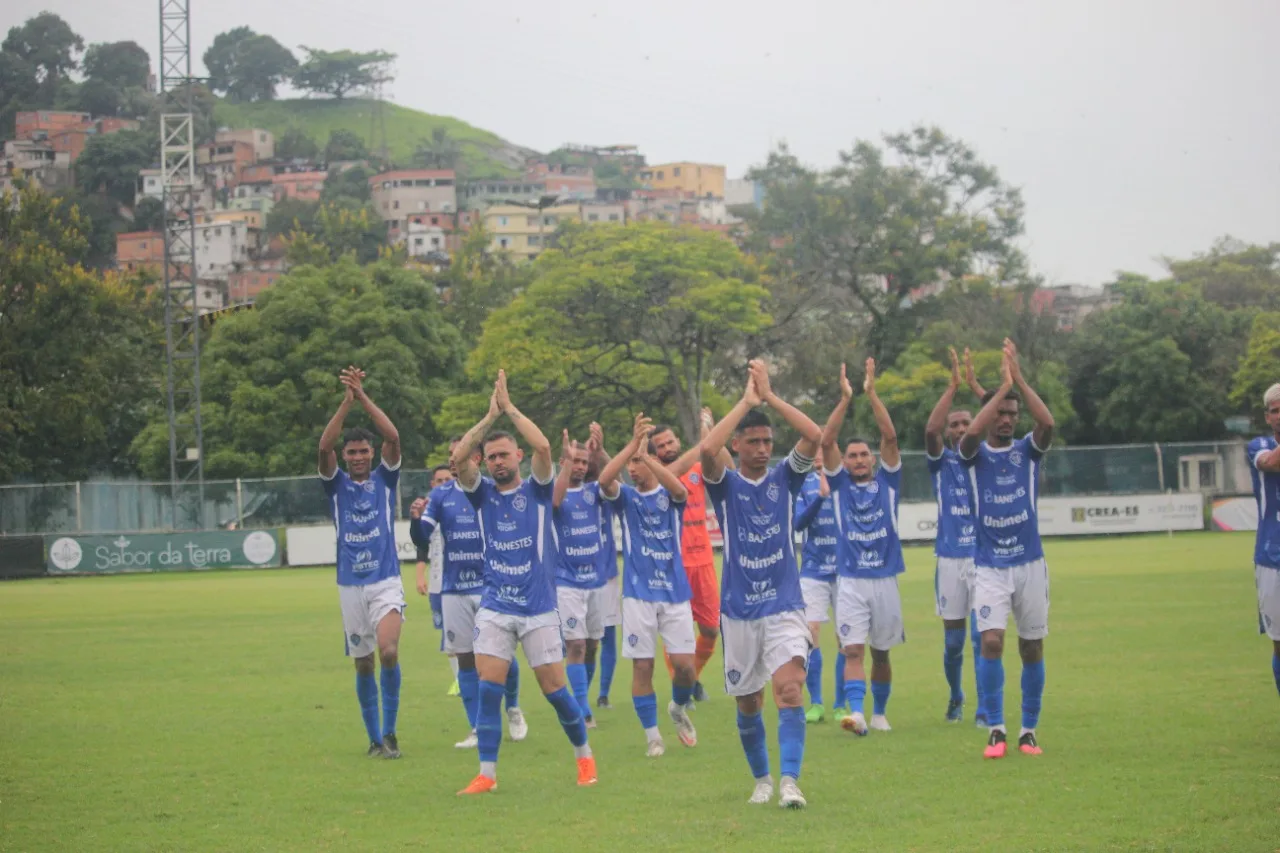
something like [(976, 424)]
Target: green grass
[(405, 128), (215, 712)]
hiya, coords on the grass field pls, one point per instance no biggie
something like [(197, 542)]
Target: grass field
[(215, 712)]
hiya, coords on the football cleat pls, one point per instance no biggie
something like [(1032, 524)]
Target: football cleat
[(684, 726), (762, 793), (603, 702), (955, 711), (390, 747), (480, 785), (815, 714), (375, 750), (587, 770), (996, 744), (855, 723), (1027, 744), (516, 725), (468, 742), (789, 794), (656, 749)]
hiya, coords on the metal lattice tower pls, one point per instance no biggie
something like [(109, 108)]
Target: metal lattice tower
[(181, 305)]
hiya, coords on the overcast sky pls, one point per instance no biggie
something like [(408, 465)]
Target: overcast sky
[(1135, 128)]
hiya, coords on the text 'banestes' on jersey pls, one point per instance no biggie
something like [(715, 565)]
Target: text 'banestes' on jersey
[(362, 514), (519, 547), (1005, 484), (652, 566)]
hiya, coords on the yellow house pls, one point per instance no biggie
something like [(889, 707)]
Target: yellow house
[(701, 179), (250, 218), (524, 231)]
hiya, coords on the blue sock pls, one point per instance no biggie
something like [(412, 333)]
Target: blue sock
[(953, 660), (791, 740), (647, 710), (880, 696), (513, 684), (681, 694), (577, 673), (390, 698), (854, 693), (489, 720), (469, 687), (841, 702), (751, 732), (1032, 692), (975, 640), (1275, 669), (813, 679), (993, 690), (367, 692), (571, 719), (608, 658)]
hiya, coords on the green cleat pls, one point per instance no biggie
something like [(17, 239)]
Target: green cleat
[(815, 714), (454, 690), (840, 713)]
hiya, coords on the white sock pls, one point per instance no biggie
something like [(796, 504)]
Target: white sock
[(490, 769), (999, 728), (653, 734), (1026, 731), (453, 665), (583, 751)]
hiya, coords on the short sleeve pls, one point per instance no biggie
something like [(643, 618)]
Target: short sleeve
[(718, 491), (838, 480), (541, 491), (431, 515), (1029, 446), (478, 494), (935, 464), (675, 502), (1256, 448), (788, 470), (892, 479), (617, 496), (331, 485), (390, 476)]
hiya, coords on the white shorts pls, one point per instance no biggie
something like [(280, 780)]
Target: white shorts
[(459, 623), (644, 621), (953, 587), (1268, 601), (363, 607), (869, 612), (580, 614), (819, 598), (754, 649), (497, 634), (1023, 589), (610, 597)]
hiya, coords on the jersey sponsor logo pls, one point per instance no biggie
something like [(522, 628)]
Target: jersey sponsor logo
[(855, 536), (507, 526), (1007, 480), (824, 541), (359, 517), (655, 534), (362, 505), (584, 531), (582, 550), (464, 557), (518, 503), (455, 535), (664, 503), (504, 569), (646, 551), (992, 498), (960, 510), (869, 517), (580, 515), (513, 545), (1006, 521), (761, 538), (763, 562), (360, 538), (734, 676)]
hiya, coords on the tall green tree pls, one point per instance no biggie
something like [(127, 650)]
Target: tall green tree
[(47, 46), (440, 151), (271, 374), (339, 229), (78, 350), (247, 66), (345, 144), (339, 72), (295, 144), (352, 183), (110, 164), (478, 282), (621, 318), (1234, 274), (122, 64), (1259, 369)]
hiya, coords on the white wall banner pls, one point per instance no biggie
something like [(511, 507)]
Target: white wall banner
[(317, 545)]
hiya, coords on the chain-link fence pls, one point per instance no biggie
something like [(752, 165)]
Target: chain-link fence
[(1214, 468)]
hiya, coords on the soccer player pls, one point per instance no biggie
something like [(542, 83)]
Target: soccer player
[(430, 571), (868, 607), (580, 570), (1264, 469), (655, 598), (765, 633), (448, 513), (1010, 573), (519, 601), (953, 546), (816, 520), (369, 586), (695, 543), (610, 594)]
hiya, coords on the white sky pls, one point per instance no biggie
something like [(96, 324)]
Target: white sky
[(1135, 128)]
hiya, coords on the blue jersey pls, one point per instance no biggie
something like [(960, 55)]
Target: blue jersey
[(580, 533), (1266, 491), (519, 547), (759, 576), (867, 523), (651, 529), (366, 525), (956, 537), (816, 519), (609, 512), (1004, 482), (449, 510)]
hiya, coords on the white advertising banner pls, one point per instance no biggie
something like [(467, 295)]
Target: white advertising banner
[(1085, 515), (1235, 514), (317, 545)]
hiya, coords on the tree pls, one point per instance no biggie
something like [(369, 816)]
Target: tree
[(478, 282), (110, 164), (338, 72), (884, 223), (1157, 367), (148, 214), (339, 228), (270, 374), (48, 46), (291, 214), (350, 183), (1234, 274), (100, 221), (345, 144), (1260, 367), (441, 151), (122, 64), (294, 144), (248, 66), (78, 351), (621, 318)]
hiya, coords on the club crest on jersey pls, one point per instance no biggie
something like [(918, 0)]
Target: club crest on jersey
[(694, 479), (364, 556), (588, 497), (633, 640), (845, 629), (368, 485), (518, 503), (571, 622), (734, 676), (664, 503), (873, 488), (985, 611), (449, 635), (475, 633), (1015, 458), (773, 492), (355, 639), (943, 601)]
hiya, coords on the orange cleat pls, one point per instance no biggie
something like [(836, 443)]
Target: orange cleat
[(1027, 744), (996, 745), (480, 785), (587, 770)]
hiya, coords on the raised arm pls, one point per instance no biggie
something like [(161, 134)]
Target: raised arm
[(811, 504), (609, 476), (566, 471), (1267, 461), (353, 378), (686, 461), (666, 478), (1043, 434), (712, 469), (810, 433), (463, 457), (937, 423), (987, 415), (971, 376), (595, 447), (889, 455), (541, 464), (831, 432), (327, 461)]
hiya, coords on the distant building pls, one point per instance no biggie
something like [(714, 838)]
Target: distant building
[(397, 194), (27, 125), (223, 161), (523, 231), (1072, 303), (303, 185), (150, 186), (37, 162), (477, 195), (418, 231), (255, 276), (742, 192), (700, 179), (223, 248), (595, 212), (263, 141), (569, 182), (139, 250)]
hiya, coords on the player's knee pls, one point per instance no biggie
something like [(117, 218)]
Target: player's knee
[(575, 650), (992, 645), (790, 694), (466, 660), (1031, 651), (365, 665), (592, 645), (389, 653), (854, 654), (751, 705), (708, 631), (683, 671), (879, 656)]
